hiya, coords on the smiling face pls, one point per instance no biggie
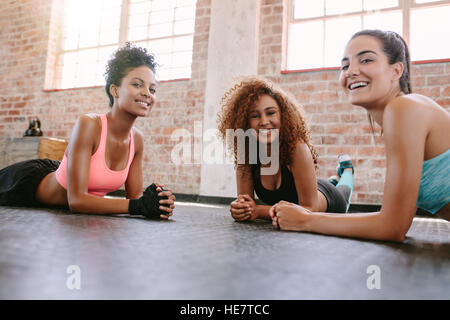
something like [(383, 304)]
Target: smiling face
[(136, 93), (265, 116), (366, 76)]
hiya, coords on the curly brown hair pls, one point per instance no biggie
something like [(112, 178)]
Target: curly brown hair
[(236, 105)]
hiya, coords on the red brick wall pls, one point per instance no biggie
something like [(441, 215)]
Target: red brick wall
[(28, 46), (29, 36)]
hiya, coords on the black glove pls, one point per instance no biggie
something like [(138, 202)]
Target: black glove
[(148, 204)]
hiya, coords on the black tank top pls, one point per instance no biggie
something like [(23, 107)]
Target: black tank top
[(286, 191)]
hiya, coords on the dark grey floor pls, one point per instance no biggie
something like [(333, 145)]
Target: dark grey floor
[(203, 254)]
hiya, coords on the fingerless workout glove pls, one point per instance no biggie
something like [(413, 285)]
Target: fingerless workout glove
[(148, 204)]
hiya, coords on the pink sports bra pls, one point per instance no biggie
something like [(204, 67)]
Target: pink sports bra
[(102, 179)]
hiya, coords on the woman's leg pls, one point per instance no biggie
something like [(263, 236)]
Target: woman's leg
[(345, 186), (338, 196), (345, 171), (19, 182)]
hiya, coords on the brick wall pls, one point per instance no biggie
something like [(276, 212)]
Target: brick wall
[(29, 37)]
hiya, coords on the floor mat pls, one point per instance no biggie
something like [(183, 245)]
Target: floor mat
[(203, 254)]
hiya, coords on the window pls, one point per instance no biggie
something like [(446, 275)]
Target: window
[(319, 30), (94, 29), (166, 27)]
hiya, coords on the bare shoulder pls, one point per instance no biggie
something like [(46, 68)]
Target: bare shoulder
[(138, 135), (300, 148), (410, 110), (415, 119), (89, 121), (138, 139), (416, 109), (86, 133), (414, 103), (300, 154)]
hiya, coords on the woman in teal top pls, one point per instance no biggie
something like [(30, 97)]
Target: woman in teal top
[(376, 76)]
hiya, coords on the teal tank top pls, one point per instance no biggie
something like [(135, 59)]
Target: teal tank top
[(434, 192)]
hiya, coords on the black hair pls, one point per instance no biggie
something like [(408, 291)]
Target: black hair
[(396, 49), (125, 58)]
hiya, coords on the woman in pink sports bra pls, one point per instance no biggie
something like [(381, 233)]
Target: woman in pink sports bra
[(104, 153)]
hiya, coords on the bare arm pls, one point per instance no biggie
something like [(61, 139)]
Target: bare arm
[(244, 207), (244, 180), (133, 184), (305, 181), (405, 131), (241, 210), (305, 177)]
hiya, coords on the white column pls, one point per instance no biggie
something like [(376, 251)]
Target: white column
[(232, 51)]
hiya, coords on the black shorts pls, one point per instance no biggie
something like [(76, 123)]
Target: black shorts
[(337, 197), (19, 182)]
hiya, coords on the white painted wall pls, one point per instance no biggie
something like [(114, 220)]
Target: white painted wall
[(232, 51)]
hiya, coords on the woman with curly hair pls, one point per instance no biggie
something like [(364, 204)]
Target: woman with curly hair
[(104, 152), (271, 116)]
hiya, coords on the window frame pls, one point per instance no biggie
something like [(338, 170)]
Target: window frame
[(123, 34), (405, 6)]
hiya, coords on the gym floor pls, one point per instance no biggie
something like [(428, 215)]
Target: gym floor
[(201, 253)]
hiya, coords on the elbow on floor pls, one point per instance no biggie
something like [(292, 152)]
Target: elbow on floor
[(394, 236), (76, 205), (398, 237), (391, 229)]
